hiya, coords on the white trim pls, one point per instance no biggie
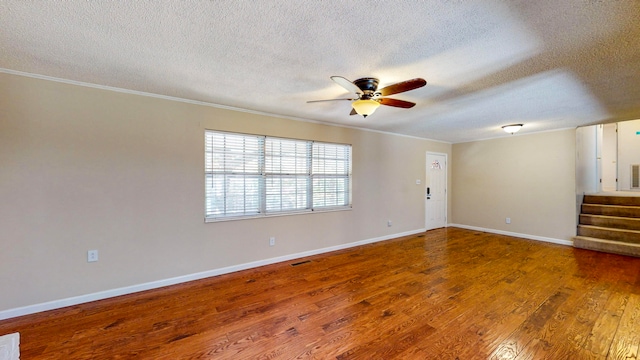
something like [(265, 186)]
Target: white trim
[(509, 233), (56, 304), (203, 103), (262, 216)]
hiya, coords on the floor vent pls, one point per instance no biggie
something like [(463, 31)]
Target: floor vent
[(635, 176), (301, 263)]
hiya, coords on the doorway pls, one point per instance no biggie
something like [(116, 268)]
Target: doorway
[(436, 191)]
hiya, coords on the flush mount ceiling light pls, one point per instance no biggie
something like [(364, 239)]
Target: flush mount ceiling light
[(365, 107), (512, 129)]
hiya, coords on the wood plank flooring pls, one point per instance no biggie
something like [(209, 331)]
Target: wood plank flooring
[(445, 294)]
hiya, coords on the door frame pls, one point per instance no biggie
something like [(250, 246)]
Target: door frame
[(446, 186)]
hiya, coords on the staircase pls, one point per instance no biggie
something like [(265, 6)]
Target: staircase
[(610, 224)]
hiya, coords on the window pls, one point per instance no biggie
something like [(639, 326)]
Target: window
[(331, 174), (250, 175)]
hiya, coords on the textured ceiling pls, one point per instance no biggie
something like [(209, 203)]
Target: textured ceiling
[(548, 64)]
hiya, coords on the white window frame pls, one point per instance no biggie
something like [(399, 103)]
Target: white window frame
[(257, 166)]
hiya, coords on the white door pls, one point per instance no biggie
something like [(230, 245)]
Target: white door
[(610, 157), (436, 191), (599, 133)]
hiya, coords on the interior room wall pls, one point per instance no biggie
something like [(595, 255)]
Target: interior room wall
[(586, 164), (85, 168), (586, 160), (628, 151), (527, 178)]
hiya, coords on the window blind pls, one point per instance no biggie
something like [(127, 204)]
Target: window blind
[(331, 175), (251, 175), (233, 165), (287, 173)]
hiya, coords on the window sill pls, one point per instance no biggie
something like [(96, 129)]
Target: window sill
[(263, 216)]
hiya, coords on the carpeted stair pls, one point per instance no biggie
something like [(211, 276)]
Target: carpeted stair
[(610, 224)]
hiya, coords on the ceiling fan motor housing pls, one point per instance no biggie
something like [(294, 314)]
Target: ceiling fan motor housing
[(368, 87)]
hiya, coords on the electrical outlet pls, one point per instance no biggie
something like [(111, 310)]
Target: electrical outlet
[(272, 241), (92, 255), (507, 220), (389, 223)]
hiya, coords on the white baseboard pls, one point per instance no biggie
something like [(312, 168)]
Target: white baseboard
[(525, 236), (56, 304)]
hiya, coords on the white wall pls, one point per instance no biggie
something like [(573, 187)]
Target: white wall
[(628, 151), (84, 168), (586, 154)]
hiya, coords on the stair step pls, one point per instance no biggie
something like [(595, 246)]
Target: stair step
[(589, 243), (611, 210), (610, 221), (612, 200), (627, 236)]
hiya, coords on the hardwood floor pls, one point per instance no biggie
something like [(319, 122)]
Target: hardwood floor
[(445, 294)]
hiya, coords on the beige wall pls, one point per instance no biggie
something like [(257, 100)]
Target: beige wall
[(84, 168), (529, 178)]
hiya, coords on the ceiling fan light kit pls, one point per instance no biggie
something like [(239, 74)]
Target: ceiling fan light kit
[(512, 129), (369, 98), (365, 107)]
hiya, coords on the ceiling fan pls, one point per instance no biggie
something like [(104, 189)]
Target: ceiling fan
[(368, 97)]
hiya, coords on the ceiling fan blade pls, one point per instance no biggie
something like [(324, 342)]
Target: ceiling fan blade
[(315, 101), (402, 87), (353, 112), (396, 103), (345, 83)]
